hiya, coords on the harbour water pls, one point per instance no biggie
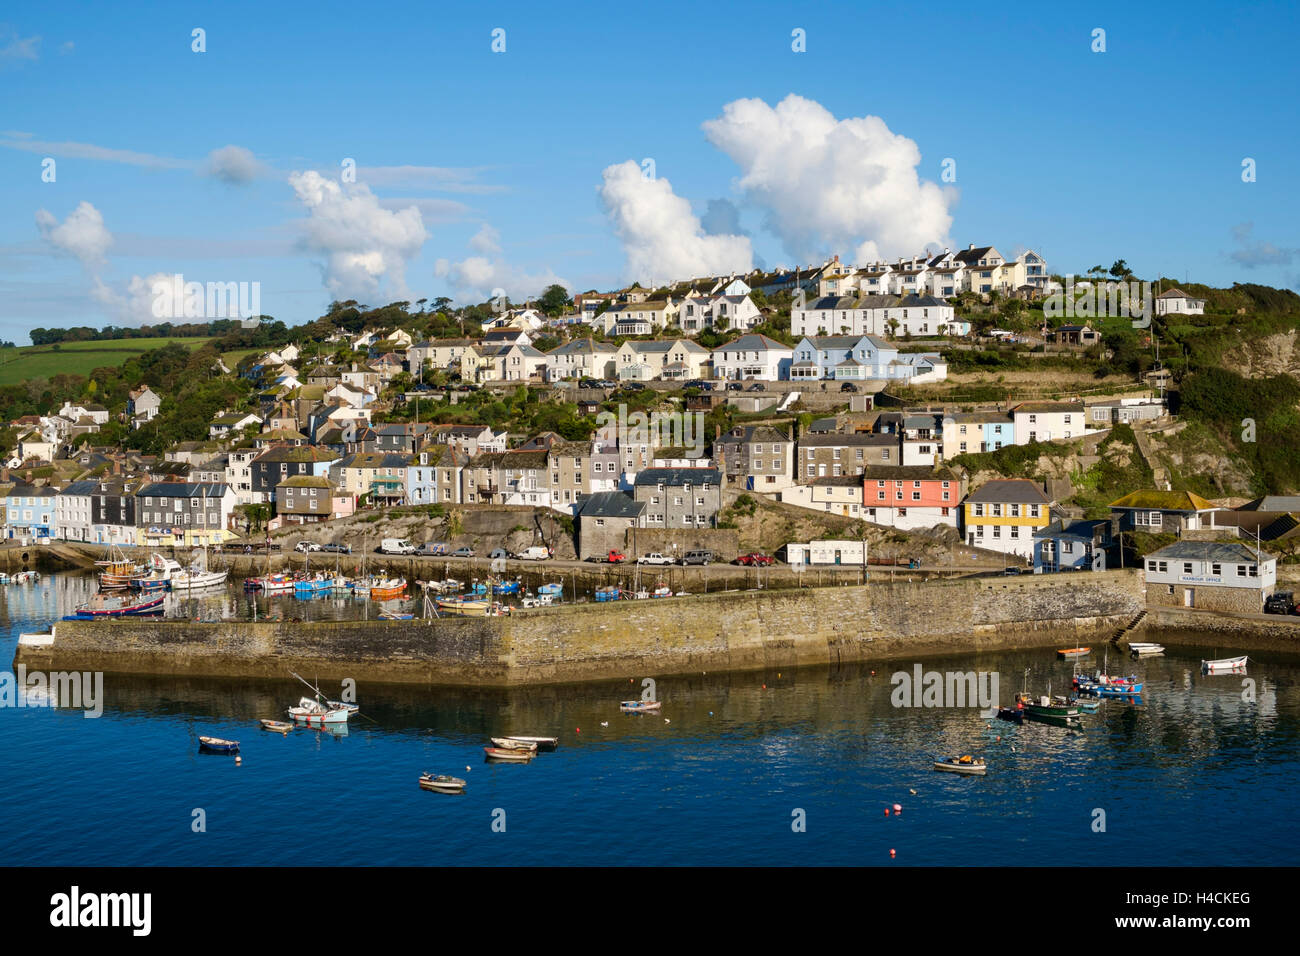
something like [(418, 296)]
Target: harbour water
[(1204, 772)]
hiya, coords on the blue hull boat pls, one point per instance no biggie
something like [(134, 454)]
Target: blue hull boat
[(506, 588), (218, 745)]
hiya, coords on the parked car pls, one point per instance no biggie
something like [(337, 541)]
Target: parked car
[(1280, 602), (337, 548), (735, 386), (1009, 571), (305, 547), (634, 386), (432, 549), (654, 557), (586, 383), (463, 553), (606, 383), (755, 560), (848, 387), (702, 557), (757, 387), (614, 557)]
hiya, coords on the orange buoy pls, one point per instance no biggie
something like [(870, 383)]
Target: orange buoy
[(892, 854), (886, 811)]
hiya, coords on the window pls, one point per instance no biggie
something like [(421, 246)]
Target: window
[(1187, 567), (979, 510), (1216, 569)]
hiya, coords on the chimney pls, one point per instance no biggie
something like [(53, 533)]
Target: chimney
[(970, 247)]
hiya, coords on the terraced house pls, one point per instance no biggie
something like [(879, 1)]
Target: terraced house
[(181, 514), (379, 479), (679, 497), (433, 475), (307, 499), (580, 358), (1004, 515), (282, 462), (667, 359), (832, 454), (757, 457)]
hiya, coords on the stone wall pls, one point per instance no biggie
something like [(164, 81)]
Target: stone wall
[(728, 631), (1207, 597), (723, 542)]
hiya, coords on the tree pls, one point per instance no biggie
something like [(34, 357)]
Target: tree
[(1120, 269), (554, 300)]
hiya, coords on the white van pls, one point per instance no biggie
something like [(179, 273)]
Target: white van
[(535, 553), (396, 546)]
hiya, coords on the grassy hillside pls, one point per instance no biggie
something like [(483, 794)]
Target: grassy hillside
[(76, 358)]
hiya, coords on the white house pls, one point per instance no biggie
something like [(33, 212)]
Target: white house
[(580, 358), (1210, 576), (735, 313), (1048, 421), (73, 512), (753, 356), (912, 315), (1178, 302)]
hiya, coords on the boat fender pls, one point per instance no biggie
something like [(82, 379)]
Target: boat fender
[(898, 808), (892, 854)]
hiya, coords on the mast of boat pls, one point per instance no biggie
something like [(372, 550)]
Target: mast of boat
[(319, 695)]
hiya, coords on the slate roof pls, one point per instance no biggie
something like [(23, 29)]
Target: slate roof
[(1009, 490), (676, 477), (1222, 552), (611, 504)]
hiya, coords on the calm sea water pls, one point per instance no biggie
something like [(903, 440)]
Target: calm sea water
[(1196, 776)]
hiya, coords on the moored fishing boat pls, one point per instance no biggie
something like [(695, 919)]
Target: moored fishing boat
[(1225, 665), (270, 584), (117, 570), (218, 745), (441, 783), (313, 713), (555, 589), (385, 589), (276, 726), (1073, 652), (25, 577), (313, 584), (1045, 711), (113, 605), (611, 593), (540, 600), (661, 592), (967, 765), (1103, 685), (510, 743), (507, 588), (640, 706), (516, 756)]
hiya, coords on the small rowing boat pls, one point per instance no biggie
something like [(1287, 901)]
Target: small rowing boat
[(967, 765), (276, 726), (1145, 649), (516, 756), (1071, 653), (441, 783), (640, 706), (218, 745), (1225, 665), (510, 743), (543, 743)]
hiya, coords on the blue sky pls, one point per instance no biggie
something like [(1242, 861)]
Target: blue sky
[(1086, 157)]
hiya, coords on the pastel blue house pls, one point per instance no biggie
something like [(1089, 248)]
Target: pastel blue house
[(1073, 546), (859, 358), (29, 512)]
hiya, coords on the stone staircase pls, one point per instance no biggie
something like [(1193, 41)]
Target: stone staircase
[(1128, 628)]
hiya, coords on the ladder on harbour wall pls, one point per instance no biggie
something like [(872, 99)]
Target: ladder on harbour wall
[(1129, 627)]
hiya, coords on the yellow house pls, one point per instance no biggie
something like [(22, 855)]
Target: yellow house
[(1003, 515)]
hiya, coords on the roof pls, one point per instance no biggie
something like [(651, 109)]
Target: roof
[(1010, 489), (1047, 407), (744, 434), (611, 504), (1164, 501), (1175, 294), (305, 481), (909, 473), (678, 476), (753, 342), (846, 439), (179, 489), (1273, 503), (1085, 529), (1223, 552), (300, 454), (533, 458)]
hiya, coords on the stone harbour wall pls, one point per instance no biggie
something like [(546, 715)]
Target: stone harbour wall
[(745, 630)]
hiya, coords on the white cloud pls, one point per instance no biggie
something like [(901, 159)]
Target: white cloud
[(487, 240), (18, 49), (81, 235), (452, 179), (134, 304), (829, 185), (1256, 253), (234, 165), (478, 277), (24, 141), (663, 239), (365, 245)]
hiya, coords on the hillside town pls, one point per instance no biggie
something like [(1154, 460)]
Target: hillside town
[(666, 405)]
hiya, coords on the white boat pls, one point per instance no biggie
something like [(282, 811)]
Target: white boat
[(510, 743), (194, 579), (36, 640), (640, 706), (1145, 649), (25, 577), (314, 712), (1226, 665), (540, 600), (441, 783)]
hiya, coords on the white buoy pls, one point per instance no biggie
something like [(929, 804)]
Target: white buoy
[(667, 721)]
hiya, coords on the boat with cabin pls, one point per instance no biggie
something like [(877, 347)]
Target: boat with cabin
[(386, 589), (118, 570), (158, 576)]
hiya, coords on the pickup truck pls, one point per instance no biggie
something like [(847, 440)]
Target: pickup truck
[(654, 557)]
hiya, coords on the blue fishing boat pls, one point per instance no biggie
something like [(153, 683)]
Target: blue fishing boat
[(611, 593), (320, 584), (1111, 687), (218, 745), (477, 588), (554, 590), (506, 587)]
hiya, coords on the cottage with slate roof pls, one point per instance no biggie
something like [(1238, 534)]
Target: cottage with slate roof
[(1004, 515), (1210, 576)]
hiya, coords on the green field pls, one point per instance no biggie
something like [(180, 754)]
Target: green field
[(80, 358)]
